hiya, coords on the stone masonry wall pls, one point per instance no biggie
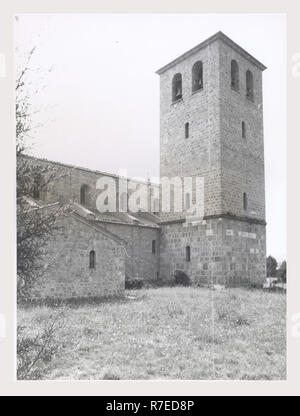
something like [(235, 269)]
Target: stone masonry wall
[(140, 261), (67, 273), (223, 251), (230, 247), (69, 179), (198, 155), (242, 159)]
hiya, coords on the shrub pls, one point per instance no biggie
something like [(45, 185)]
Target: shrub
[(35, 352), (110, 375), (181, 278), (134, 283)]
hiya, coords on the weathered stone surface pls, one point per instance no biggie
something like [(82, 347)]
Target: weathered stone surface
[(217, 258), (229, 246), (67, 272), (140, 261)]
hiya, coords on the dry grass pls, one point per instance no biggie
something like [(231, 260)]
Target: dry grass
[(171, 333)]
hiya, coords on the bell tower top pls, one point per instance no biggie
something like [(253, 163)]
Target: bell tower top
[(216, 36)]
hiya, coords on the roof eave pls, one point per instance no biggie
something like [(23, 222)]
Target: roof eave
[(216, 36)]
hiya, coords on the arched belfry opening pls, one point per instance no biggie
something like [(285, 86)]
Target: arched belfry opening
[(234, 75), (177, 87), (197, 76), (249, 85)]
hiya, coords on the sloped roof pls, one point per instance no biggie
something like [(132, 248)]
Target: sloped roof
[(216, 36), (75, 167), (35, 205), (96, 226), (142, 219)]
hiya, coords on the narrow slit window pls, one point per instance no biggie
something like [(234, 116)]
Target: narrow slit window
[(153, 246), (92, 262), (243, 129), (245, 201), (188, 253), (187, 130)]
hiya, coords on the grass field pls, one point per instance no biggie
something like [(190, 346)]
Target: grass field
[(169, 333)]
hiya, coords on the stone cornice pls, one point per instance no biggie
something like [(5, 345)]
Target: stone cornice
[(217, 36), (229, 216)]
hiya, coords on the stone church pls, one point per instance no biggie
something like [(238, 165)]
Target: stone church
[(211, 126)]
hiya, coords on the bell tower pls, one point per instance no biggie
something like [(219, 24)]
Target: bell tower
[(211, 126)]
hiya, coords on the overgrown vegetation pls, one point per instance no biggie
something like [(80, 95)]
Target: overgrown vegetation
[(170, 333), (134, 283), (181, 278), (35, 224), (274, 271), (35, 352)]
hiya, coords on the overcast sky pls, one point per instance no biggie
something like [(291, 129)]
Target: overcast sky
[(100, 104)]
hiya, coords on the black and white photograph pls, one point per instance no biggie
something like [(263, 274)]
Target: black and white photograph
[(150, 196)]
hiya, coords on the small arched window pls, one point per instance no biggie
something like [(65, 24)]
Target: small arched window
[(153, 246), (243, 129), (188, 253), (187, 201), (187, 130), (92, 262), (84, 194), (234, 75), (123, 201), (245, 201), (249, 85), (197, 76), (177, 87)]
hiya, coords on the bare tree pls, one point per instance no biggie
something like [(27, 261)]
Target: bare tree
[(34, 352), (24, 111), (35, 224)]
